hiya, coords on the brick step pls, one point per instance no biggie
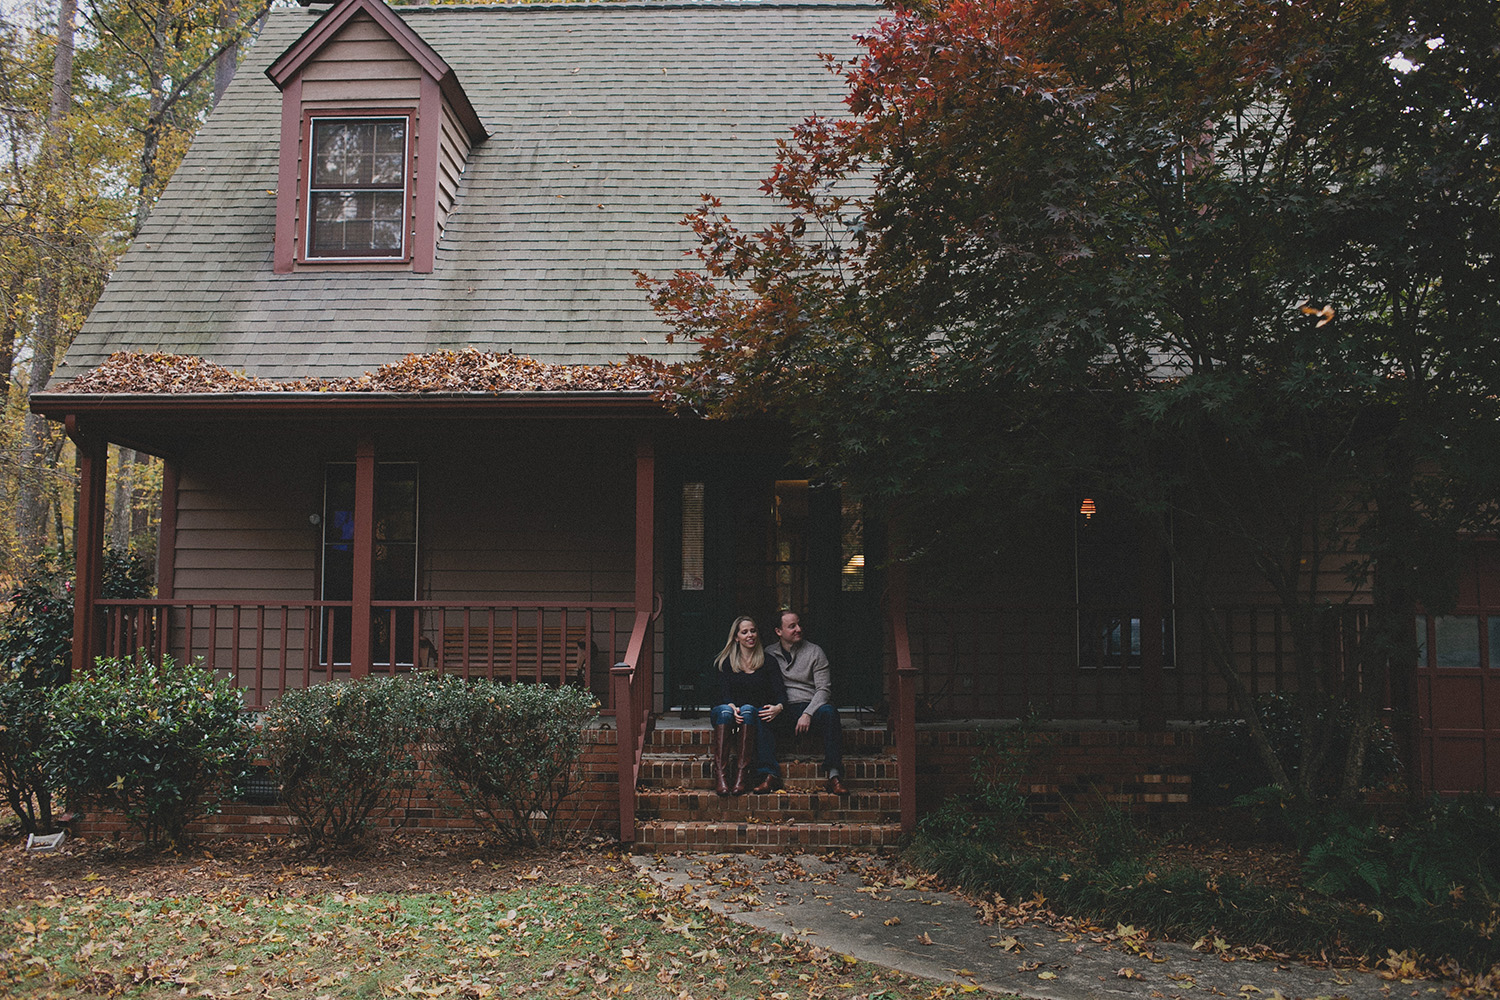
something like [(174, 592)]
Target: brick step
[(696, 770), (671, 734), (690, 804), (652, 836)]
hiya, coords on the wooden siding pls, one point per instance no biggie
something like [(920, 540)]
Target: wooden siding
[(455, 154), (550, 518), (242, 529), (530, 519), (361, 66)]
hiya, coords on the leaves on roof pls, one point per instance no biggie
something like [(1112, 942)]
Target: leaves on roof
[(468, 370)]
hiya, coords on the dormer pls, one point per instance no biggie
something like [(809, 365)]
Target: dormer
[(375, 133)]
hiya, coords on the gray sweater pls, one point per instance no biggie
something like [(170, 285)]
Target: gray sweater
[(805, 672)]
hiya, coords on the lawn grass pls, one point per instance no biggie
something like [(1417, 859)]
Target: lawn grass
[(604, 938)]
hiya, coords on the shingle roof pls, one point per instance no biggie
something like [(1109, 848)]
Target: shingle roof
[(607, 122)]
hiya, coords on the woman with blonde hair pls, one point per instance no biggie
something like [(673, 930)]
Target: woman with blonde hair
[(751, 695)]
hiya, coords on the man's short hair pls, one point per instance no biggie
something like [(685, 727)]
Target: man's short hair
[(781, 616)]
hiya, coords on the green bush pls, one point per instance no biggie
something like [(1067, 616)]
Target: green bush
[(36, 631), (163, 744), (996, 804), (1436, 849), (25, 725), (1436, 894), (342, 751), (510, 752)]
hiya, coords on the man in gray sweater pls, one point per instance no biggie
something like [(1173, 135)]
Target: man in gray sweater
[(809, 686)]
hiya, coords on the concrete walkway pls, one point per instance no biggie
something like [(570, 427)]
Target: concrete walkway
[(857, 905)]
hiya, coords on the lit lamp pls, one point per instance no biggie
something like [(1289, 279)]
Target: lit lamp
[(1087, 509)]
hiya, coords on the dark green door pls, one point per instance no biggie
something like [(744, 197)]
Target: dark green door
[(748, 543)]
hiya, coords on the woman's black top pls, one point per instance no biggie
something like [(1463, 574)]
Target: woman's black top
[(764, 687)]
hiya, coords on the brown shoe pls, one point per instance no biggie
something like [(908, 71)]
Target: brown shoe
[(767, 784), (835, 786)]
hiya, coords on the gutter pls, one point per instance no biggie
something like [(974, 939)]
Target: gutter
[(559, 403)]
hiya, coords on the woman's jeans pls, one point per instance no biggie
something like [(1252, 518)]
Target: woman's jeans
[(765, 759)]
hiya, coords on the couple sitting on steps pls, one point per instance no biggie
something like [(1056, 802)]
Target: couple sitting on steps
[(759, 685)]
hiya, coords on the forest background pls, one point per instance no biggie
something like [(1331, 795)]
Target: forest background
[(99, 100)]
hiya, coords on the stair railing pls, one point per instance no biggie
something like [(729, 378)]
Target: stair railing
[(904, 698), (631, 680)]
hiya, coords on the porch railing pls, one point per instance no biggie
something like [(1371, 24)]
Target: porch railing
[(270, 647), (990, 661)]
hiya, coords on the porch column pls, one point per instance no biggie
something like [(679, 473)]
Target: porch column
[(88, 544), (645, 524), (362, 617), (166, 542)]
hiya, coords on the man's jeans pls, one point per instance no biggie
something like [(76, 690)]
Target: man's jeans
[(825, 719)]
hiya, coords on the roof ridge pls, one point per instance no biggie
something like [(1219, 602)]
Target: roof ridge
[(597, 5)]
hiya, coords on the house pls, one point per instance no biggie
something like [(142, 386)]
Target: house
[(375, 329)]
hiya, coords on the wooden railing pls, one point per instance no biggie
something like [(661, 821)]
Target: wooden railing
[(270, 647), (904, 707), (632, 680), (1062, 662)]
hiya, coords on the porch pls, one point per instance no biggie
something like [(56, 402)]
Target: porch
[(573, 580)]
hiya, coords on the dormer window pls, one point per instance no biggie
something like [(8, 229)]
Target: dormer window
[(375, 134), (357, 188)]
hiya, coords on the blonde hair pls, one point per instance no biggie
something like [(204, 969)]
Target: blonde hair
[(731, 652)]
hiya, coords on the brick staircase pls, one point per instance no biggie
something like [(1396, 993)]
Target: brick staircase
[(676, 808)]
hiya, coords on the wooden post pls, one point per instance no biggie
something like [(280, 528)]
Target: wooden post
[(904, 702), (88, 544), (645, 524), (362, 616), (166, 542)]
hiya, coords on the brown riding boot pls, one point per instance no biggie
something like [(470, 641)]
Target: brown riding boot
[(721, 760), (747, 758)]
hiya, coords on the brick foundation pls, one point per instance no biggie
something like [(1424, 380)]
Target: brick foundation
[(593, 806), (1127, 769), (1077, 769)]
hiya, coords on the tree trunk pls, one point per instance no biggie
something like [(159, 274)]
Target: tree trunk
[(35, 439), (122, 501), (8, 329), (225, 63)]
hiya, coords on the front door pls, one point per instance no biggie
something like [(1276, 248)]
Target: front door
[(750, 544)]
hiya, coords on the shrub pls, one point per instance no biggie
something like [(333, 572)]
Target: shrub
[(25, 726), (341, 750), (996, 804), (1233, 768), (510, 752), (36, 631), (1437, 848), (163, 744)]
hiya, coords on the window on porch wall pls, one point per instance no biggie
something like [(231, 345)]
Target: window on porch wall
[(394, 564), (1110, 554)]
